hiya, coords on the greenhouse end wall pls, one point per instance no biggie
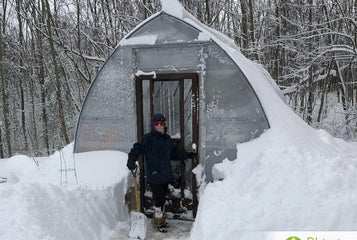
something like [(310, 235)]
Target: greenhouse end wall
[(232, 111), (108, 117), (229, 113)]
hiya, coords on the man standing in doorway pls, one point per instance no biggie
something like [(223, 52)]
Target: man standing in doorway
[(158, 149)]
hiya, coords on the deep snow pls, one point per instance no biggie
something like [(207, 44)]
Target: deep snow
[(33, 204), (277, 185)]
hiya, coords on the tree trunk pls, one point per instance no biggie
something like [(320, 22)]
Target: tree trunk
[(39, 60), (57, 76), (22, 75), (344, 96), (326, 84), (1, 146), (79, 43), (243, 6), (251, 27), (276, 62), (310, 99), (208, 14), (3, 82), (33, 108)]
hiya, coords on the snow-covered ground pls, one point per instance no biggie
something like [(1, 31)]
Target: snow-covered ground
[(178, 230), (280, 181), (34, 204), (39, 203)]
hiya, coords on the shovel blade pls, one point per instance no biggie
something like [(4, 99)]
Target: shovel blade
[(138, 225)]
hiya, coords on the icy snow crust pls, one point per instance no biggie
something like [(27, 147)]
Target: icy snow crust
[(33, 204), (291, 178)]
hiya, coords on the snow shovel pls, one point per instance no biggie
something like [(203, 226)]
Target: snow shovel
[(138, 219)]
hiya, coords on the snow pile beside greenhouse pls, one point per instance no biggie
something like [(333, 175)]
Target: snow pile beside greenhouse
[(34, 205), (281, 187), (291, 178)]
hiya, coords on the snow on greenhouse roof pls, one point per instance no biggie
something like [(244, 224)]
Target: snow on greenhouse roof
[(148, 40)]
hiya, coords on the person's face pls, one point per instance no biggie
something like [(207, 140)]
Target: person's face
[(159, 126)]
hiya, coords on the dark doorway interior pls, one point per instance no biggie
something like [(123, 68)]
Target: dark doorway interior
[(175, 96)]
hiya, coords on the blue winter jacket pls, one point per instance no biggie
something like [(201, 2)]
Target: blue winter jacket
[(158, 149)]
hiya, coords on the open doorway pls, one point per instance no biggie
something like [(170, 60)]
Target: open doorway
[(175, 96)]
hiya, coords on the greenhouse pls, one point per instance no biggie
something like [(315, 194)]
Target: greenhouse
[(176, 66)]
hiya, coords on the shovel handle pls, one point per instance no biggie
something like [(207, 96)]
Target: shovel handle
[(136, 190)]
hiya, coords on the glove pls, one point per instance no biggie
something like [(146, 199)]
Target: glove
[(188, 155), (131, 164)]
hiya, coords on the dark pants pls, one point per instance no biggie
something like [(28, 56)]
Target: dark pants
[(159, 192)]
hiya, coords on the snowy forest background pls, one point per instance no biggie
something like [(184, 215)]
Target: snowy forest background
[(51, 50)]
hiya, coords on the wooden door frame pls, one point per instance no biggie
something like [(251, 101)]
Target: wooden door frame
[(195, 123)]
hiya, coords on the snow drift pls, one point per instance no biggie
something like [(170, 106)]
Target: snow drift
[(33, 205), (280, 187)]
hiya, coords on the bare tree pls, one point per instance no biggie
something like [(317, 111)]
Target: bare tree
[(2, 79), (56, 70)]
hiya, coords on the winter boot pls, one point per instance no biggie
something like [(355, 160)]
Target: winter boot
[(159, 220), (162, 224), (156, 216)]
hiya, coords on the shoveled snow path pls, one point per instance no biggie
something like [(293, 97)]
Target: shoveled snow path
[(178, 230)]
